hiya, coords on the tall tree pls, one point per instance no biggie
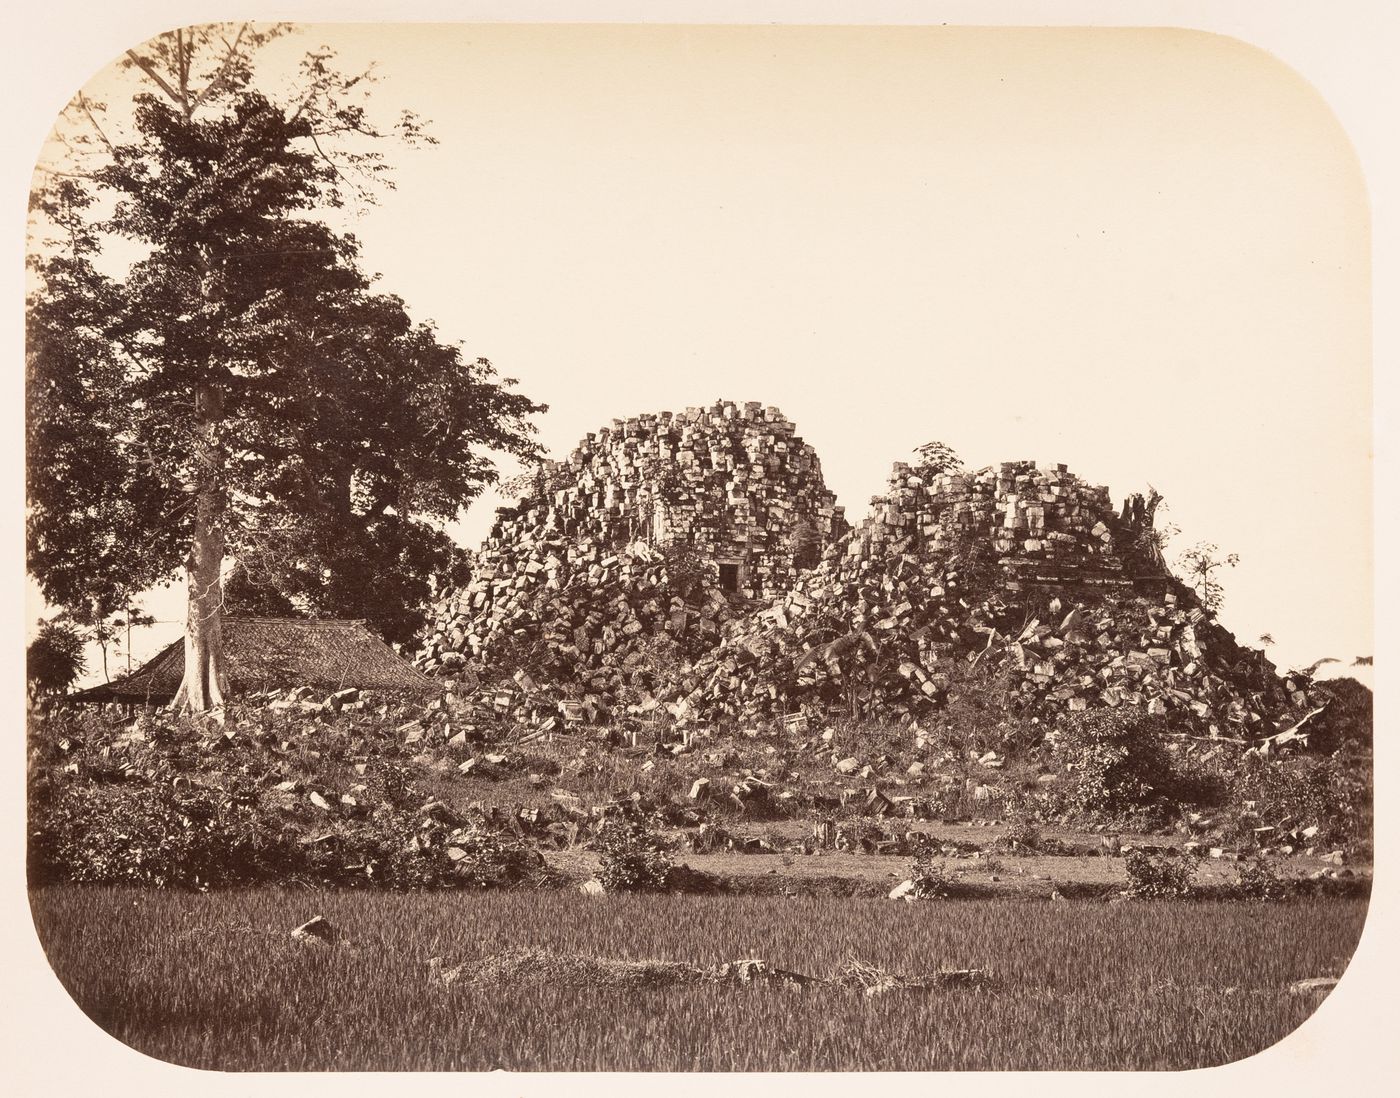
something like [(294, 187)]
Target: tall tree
[(247, 392)]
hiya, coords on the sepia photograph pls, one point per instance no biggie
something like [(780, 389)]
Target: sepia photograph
[(606, 547)]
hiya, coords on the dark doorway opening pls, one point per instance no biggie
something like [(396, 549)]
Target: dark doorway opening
[(729, 577)]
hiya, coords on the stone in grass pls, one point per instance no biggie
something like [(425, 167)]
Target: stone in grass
[(903, 891), (315, 931), (591, 887)]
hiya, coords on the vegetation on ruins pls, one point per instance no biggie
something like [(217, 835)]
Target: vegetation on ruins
[(993, 690), (631, 856), (1116, 760), (1200, 565)]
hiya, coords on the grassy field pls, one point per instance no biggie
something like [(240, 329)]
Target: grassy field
[(214, 981)]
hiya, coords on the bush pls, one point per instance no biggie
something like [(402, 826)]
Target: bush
[(406, 851), (488, 859), (932, 881), (1116, 758), (1258, 881), (112, 834), (198, 836), (1159, 876), (1022, 832), (1347, 722), (632, 859), (1303, 791)]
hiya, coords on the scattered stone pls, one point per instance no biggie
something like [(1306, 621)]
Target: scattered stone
[(314, 931), (903, 891)]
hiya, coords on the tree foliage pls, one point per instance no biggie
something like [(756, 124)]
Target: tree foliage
[(243, 375), (54, 659)]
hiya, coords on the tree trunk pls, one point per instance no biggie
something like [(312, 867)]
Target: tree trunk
[(204, 685)]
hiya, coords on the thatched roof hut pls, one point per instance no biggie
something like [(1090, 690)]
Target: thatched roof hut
[(276, 653)]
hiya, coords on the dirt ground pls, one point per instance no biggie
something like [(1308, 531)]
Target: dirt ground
[(987, 873)]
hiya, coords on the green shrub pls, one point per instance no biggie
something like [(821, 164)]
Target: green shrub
[(112, 834), (1257, 880), (405, 851), (631, 856), (489, 859), (1160, 876), (1347, 722), (1116, 760), (932, 881), (1302, 791), (1022, 831), (196, 836)]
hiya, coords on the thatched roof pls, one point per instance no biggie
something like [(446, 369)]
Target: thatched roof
[(276, 653)]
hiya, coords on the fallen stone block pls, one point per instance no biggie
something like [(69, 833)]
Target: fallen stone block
[(905, 890), (315, 931)]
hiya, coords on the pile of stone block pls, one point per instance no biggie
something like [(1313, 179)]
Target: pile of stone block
[(572, 626), (604, 593), (632, 555), (1027, 516), (732, 482), (886, 624)]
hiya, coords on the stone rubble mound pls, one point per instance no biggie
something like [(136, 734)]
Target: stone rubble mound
[(656, 528), (694, 569)]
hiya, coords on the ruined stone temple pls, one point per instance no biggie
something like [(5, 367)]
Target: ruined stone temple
[(733, 482), (695, 567), (1044, 525), (601, 552)]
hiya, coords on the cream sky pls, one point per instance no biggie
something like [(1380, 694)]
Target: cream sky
[(1143, 253)]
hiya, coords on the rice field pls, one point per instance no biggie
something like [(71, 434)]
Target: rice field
[(214, 980)]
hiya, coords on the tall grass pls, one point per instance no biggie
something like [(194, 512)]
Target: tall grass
[(214, 980)]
